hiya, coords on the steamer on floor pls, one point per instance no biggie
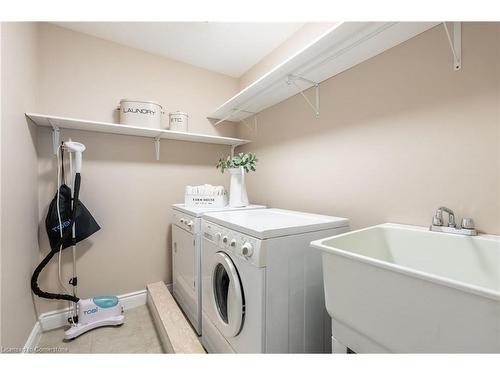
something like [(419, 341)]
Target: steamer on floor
[(68, 222)]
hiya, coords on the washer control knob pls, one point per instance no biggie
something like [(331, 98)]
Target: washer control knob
[(233, 243), (225, 239), (218, 236), (247, 249), (182, 220), (189, 223)]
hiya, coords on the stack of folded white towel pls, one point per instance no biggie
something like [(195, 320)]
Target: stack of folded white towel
[(205, 190)]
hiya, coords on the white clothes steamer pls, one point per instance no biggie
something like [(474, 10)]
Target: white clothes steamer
[(68, 222)]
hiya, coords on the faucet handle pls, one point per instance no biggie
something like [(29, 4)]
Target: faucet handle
[(467, 223), (436, 220)]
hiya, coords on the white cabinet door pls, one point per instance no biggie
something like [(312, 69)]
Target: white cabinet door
[(183, 263)]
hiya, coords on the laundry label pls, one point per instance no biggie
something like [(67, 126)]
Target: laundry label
[(142, 111)]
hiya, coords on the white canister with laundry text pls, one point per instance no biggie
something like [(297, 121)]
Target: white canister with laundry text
[(142, 113), (178, 121)]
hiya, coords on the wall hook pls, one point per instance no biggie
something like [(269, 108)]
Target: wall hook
[(157, 146), (56, 137)]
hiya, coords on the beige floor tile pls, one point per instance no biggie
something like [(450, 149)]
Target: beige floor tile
[(155, 349), (126, 344), (53, 342), (136, 335)]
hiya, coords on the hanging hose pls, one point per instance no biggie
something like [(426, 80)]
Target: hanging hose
[(57, 248)]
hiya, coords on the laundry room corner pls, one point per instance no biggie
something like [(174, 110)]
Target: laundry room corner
[(250, 178), (123, 183), (19, 189)]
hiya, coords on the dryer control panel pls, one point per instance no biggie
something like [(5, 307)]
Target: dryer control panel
[(186, 222), (234, 243)]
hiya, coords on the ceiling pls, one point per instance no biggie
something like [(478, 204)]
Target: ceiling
[(227, 48)]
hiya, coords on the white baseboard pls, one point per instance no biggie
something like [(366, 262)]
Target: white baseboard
[(134, 299), (59, 318), (33, 338)]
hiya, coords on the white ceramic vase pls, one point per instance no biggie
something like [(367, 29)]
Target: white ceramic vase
[(237, 192)]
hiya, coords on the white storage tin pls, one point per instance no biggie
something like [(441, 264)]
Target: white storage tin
[(140, 113), (178, 121)]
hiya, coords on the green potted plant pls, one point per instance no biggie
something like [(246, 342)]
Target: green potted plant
[(237, 166)]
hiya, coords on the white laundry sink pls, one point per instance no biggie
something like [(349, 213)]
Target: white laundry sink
[(404, 289)]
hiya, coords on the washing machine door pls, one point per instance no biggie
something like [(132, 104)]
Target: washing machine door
[(227, 296)]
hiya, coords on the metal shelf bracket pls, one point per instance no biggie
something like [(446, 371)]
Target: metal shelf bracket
[(157, 147), (290, 79), (455, 43), (56, 137), (233, 148), (254, 121), (233, 112), (225, 118)]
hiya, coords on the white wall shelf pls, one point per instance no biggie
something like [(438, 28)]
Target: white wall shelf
[(57, 123), (340, 48)]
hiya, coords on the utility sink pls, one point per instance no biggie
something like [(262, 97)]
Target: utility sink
[(404, 289)]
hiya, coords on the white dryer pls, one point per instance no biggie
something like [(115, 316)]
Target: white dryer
[(263, 283), (186, 258)]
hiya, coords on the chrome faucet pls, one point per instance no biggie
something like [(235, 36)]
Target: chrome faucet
[(438, 217), (467, 227)]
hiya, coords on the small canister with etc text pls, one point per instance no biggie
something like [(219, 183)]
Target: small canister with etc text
[(178, 121)]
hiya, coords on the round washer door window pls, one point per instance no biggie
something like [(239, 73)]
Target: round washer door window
[(228, 296)]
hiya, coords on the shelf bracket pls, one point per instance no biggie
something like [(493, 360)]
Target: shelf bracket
[(455, 43), (290, 79), (232, 149), (157, 146), (56, 137), (254, 121), (233, 112)]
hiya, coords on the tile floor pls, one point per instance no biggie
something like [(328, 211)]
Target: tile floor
[(137, 335)]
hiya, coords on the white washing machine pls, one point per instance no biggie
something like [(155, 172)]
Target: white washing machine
[(186, 258), (263, 283)]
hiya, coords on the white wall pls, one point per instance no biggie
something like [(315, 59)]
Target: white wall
[(398, 136), (19, 195)]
